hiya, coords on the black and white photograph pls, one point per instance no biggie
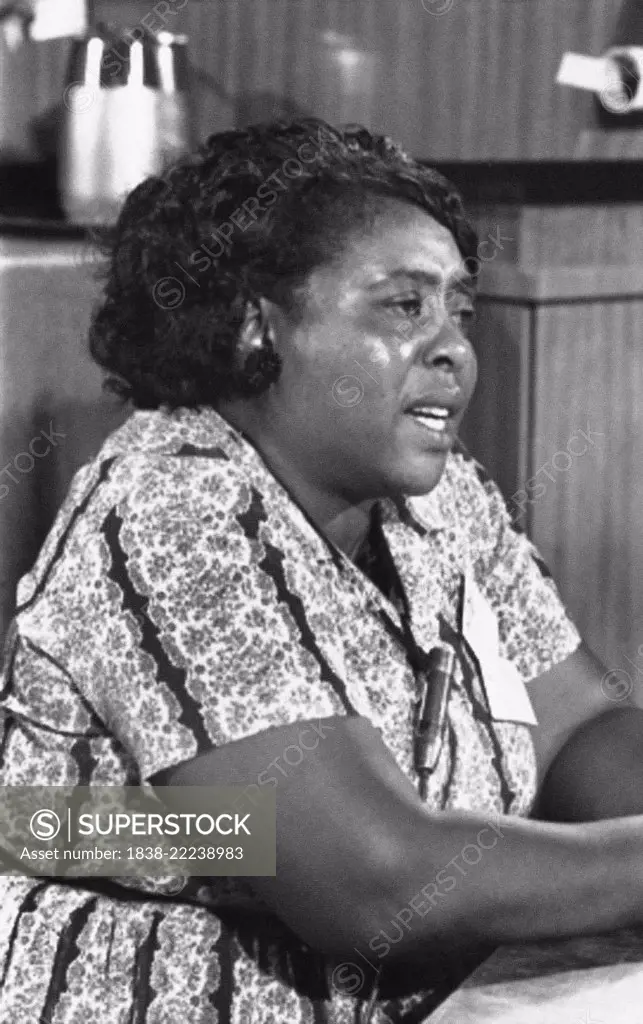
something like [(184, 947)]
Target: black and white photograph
[(321, 512)]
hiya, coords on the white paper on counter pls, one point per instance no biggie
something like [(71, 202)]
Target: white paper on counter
[(592, 73), (599, 995)]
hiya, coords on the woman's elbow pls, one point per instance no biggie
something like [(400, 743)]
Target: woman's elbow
[(338, 909), (414, 907)]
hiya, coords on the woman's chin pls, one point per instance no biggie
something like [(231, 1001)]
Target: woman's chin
[(420, 475)]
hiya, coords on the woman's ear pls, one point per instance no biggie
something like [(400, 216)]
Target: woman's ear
[(257, 361)]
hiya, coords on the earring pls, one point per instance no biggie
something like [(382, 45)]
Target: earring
[(261, 367)]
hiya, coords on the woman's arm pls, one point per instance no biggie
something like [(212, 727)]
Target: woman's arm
[(589, 743), (358, 851), (599, 771)]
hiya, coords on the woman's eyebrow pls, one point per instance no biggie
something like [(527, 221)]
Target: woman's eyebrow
[(459, 281)]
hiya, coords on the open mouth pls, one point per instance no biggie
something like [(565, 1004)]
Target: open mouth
[(435, 417), (437, 423)]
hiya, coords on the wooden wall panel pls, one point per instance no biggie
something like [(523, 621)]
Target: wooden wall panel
[(559, 234), (589, 376), (558, 413), (31, 81), (496, 425), (475, 82), (582, 235)]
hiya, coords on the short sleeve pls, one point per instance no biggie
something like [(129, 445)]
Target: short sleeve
[(197, 646), (536, 632), (49, 735)]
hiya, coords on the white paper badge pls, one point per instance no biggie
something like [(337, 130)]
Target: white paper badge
[(506, 692)]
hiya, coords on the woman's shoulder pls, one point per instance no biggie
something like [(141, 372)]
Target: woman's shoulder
[(170, 461), (151, 474), (181, 434)]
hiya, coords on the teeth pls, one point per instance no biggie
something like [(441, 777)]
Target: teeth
[(435, 422), (432, 410)]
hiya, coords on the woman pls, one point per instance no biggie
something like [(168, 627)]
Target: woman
[(269, 549)]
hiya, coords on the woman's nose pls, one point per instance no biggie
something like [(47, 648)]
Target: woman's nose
[(450, 350)]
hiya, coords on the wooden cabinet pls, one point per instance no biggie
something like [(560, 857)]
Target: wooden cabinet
[(558, 416), (49, 388)]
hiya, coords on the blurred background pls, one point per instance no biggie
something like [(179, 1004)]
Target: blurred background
[(551, 174)]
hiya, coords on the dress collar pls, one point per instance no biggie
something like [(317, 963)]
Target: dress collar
[(205, 427)]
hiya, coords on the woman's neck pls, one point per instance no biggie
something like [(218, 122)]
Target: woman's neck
[(343, 523)]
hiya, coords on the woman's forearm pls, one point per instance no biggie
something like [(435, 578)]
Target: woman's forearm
[(362, 862), (536, 881)]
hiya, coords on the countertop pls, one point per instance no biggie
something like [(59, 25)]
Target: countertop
[(593, 980), (46, 251)]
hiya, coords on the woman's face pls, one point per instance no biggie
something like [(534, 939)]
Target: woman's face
[(377, 369)]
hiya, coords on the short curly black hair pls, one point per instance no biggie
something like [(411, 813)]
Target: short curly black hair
[(250, 214)]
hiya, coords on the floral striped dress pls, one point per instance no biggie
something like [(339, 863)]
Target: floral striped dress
[(183, 600)]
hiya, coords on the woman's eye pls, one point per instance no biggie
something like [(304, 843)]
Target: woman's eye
[(426, 311), (411, 306)]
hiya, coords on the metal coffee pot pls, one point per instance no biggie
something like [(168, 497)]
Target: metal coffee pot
[(127, 111)]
